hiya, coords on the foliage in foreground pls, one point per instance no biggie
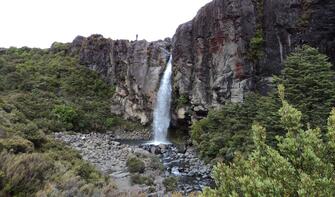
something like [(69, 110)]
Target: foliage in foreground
[(303, 164)]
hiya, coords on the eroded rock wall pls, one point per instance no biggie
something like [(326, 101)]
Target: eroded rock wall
[(211, 53), (213, 59), (132, 67), (209, 57)]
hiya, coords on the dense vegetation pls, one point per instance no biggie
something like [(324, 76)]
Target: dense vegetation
[(45, 91), (310, 87), (302, 165), (52, 90)]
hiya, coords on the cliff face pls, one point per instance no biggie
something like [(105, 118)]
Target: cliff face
[(231, 47), (209, 56), (212, 54), (133, 68)]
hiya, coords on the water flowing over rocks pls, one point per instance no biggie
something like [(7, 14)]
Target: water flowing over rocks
[(133, 68), (110, 157), (192, 172), (162, 114), (212, 55)]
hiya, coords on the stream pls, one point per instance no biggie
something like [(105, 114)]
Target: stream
[(110, 155)]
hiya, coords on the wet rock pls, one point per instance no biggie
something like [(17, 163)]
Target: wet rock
[(111, 156)]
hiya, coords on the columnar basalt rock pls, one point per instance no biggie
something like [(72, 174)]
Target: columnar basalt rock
[(132, 67)]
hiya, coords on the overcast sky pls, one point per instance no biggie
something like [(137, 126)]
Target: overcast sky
[(38, 23)]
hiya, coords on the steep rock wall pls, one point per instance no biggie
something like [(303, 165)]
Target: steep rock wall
[(133, 68), (211, 53), (209, 57)]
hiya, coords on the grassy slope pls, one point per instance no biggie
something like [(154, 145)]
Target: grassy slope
[(43, 91)]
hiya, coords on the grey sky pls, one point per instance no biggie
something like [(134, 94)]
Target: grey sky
[(38, 23)]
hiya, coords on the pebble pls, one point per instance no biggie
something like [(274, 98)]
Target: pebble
[(111, 156)]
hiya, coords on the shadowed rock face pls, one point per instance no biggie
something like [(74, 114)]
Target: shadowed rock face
[(210, 53), (133, 68), (290, 23)]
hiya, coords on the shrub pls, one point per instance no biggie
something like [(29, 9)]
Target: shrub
[(310, 86), (182, 100), (66, 114), (31, 132), (156, 164), (25, 173), (88, 172), (112, 122), (141, 180), (225, 131), (256, 46), (16, 144), (170, 183), (135, 164), (302, 164)]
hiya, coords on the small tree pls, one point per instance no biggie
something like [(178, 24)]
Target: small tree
[(303, 165), (310, 84), (66, 114)]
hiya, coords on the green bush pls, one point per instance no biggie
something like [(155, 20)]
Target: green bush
[(170, 183), (226, 131), (310, 86), (256, 46), (25, 173), (156, 164), (31, 132), (66, 114), (88, 172), (16, 144), (112, 122), (141, 180), (182, 100), (135, 164), (302, 164)]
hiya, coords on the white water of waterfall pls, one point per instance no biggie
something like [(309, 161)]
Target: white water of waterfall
[(162, 109)]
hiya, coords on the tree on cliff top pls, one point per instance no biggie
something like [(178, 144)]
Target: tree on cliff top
[(303, 165)]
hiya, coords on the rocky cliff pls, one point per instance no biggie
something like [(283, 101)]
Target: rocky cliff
[(132, 67), (234, 46), (231, 47), (209, 53)]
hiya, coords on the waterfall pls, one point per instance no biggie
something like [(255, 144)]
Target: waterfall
[(162, 109)]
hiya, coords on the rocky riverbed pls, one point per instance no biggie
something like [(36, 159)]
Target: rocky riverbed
[(110, 156)]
